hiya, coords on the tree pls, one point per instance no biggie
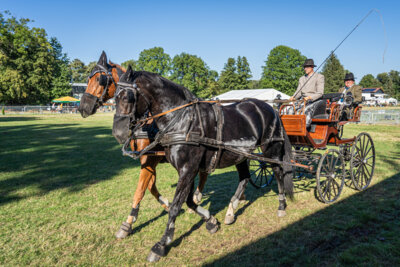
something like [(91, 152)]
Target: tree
[(283, 69), (387, 83), (154, 60), (395, 77), (244, 73), (89, 68), (78, 70), (27, 62), (131, 63), (369, 81), (191, 72), (334, 75), (62, 73), (229, 77)]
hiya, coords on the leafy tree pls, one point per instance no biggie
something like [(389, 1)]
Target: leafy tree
[(27, 62), (229, 77), (79, 71), (154, 60), (131, 63), (89, 69), (369, 81), (387, 83), (255, 84), (395, 77), (62, 73), (193, 73), (244, 73), (283, 69), (334, 75)]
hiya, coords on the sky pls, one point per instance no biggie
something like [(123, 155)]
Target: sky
[(216, 30)]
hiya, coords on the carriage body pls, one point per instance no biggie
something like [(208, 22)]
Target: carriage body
[(354, 157)]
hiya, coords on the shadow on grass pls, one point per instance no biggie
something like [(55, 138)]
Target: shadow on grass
[(54, 156), (18, 118), (360, 230)]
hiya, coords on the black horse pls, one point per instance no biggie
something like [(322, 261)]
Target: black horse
[(201, 136)]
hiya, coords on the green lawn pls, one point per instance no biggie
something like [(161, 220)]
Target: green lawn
[(65, 189)]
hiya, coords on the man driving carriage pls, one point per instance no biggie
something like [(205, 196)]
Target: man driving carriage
[(310, 89), (352, 96)]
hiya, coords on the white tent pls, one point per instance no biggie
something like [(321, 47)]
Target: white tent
[(261, 94)]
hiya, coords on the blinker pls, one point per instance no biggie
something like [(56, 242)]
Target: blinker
[(103, 81)]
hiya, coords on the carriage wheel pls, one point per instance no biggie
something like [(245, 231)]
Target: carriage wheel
[(362, 162), (330, 175), (261, 173)]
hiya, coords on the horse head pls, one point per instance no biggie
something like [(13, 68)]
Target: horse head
[(101, 85), (132, 104)]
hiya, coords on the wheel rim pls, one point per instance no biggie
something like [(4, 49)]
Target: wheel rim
[(362, 163), (261, 174), (330, 176)]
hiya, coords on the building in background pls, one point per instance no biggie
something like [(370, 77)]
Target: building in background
[(78, 89)]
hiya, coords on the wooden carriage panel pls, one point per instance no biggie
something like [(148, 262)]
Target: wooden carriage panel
[(320, 133), (295, 125)]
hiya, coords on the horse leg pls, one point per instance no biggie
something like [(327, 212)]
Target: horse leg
[(244, 174), (153, 190), (212, 224), (184, 187), (147, 178), (149, 163), (282, 199), (202, 182)]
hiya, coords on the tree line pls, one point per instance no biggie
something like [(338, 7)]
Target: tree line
[(34, 70)]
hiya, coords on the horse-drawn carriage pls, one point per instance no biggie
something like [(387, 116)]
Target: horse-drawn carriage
[(358, 153), (198, 136)]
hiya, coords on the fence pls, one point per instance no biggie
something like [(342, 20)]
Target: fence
[(48, 109), (382, 116)]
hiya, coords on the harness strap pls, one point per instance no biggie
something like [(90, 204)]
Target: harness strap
[(220, 123)]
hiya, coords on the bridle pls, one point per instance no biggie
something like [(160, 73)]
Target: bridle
[(104, 80), (123, 86)]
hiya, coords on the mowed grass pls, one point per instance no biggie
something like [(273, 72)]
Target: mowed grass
[(65, 189)]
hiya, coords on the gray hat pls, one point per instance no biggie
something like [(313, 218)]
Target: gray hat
[(309, 63)]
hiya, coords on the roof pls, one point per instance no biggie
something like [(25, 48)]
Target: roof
[(65, 99), (261, 94), (79, 84), (372, 90)]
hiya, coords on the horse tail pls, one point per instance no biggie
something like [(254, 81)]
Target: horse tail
[(287, 170)]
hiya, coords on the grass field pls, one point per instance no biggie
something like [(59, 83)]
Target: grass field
[(65, 189)]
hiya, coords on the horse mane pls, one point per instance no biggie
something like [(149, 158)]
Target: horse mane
[(159, 81), (120, 70)]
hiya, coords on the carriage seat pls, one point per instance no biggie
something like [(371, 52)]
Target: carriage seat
[(320, 110), (332, 97)]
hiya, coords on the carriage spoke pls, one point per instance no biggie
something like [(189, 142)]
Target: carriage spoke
[(254, 171), (366, 169)]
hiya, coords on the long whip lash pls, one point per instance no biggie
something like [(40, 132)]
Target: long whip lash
[(361, 21)]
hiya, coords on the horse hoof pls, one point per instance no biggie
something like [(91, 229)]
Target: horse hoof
[(197, 197), (212, 225), (124, 231), (229, 219), (281, 213), (153, 257)]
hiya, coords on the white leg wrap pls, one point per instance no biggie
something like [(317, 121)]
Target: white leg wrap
[(203, 212)]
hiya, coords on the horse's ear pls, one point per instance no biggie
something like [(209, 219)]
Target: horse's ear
[(129, 73), (103, 59)]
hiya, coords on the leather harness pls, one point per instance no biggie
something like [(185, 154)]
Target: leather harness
[(165, 138)]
